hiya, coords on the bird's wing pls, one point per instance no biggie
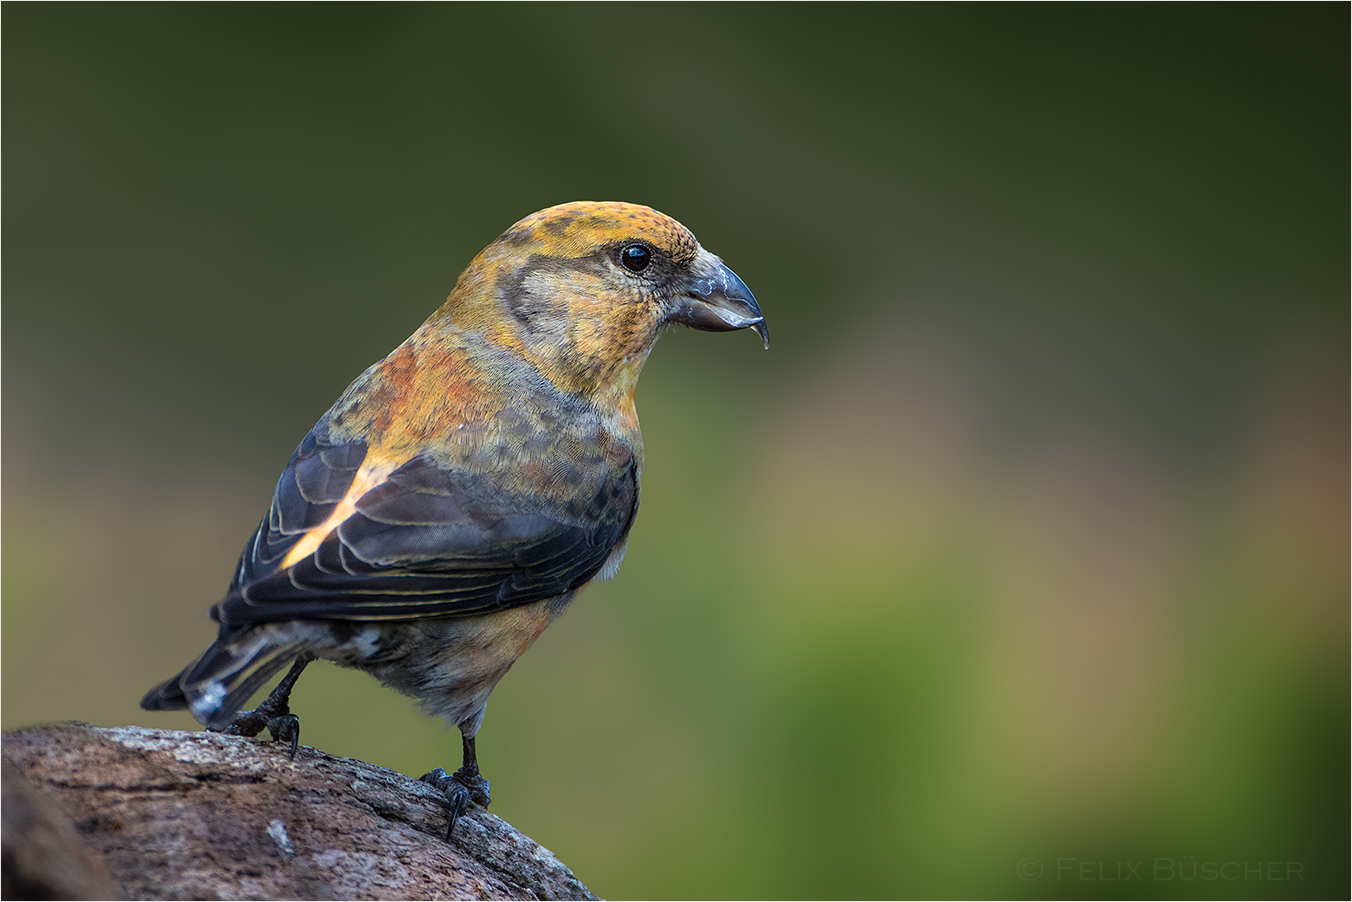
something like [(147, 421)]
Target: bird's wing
[(346, 541)]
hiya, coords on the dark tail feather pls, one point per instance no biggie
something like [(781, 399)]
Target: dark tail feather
[(167, 696), (216, 686)]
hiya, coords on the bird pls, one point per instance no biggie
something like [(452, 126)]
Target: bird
[(458, 495)]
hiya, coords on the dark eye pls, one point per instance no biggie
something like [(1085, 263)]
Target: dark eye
[(636, 257)]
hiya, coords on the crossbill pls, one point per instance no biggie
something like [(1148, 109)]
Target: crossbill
[(460, 493)]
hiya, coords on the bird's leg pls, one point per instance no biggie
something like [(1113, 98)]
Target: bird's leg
[(275, 711), (469, 775), (462, 787)]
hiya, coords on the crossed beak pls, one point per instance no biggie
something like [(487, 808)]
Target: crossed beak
[(716, 300)]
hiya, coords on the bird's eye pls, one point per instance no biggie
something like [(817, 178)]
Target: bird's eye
[(636, 257)]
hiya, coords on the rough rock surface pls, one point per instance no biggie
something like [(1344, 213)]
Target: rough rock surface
[(182, 815)]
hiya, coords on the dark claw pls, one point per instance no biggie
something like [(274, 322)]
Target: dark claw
[(274, 713), (286, 728), (458, 796), (462, 787)]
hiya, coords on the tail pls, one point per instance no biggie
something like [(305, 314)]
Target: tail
[(216, 686)]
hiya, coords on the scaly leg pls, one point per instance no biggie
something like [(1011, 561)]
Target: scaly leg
[(275, 711)]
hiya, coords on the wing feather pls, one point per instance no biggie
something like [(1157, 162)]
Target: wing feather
[(427, 541)]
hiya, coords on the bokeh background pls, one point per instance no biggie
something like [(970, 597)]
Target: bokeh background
[(1025, 546)]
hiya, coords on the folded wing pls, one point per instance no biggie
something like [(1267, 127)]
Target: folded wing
[(422, 540)]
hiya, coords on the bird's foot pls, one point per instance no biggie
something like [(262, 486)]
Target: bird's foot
[(284, 727), (274, 713), (462, 787)]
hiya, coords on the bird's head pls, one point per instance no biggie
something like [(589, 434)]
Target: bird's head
[(583, 289)]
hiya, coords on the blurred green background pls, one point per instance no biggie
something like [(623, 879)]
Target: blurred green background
[(1023, 550)]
